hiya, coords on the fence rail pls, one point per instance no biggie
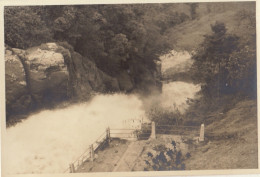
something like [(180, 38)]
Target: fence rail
[(103, 139), (89, 152), (180, 130), (144, 132), (182, 126)]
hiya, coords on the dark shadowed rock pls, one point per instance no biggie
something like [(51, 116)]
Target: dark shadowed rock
[(17, 98), (45, 75), (48, 74), (86, 79), (125, 82)]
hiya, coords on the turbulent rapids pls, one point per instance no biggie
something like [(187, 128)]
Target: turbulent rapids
[(175, 94), (48, 141)]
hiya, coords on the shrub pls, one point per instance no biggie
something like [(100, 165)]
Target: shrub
[(166, 159), (164, 116)]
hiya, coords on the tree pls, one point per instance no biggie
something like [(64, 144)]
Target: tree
[(225, 63), (24, 27), (118, 38), (193, 8)]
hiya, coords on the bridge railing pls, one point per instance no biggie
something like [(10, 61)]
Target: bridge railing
[(89, 153)]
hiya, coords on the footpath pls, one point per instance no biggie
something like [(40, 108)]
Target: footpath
[(120, 155), (127, 161)]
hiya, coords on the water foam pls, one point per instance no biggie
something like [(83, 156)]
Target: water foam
[(176, 94), (48, 141)]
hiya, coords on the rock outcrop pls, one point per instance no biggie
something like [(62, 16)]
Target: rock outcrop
[(48, 78), (45, 75), (17, 98), (125, 82), (86, 79)]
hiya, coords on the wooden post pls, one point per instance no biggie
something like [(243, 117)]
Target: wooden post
[(91, 148), (153, 134), (72, 168), (202, 132), (108, 135)]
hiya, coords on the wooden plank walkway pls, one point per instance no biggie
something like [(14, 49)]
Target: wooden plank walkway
[(127, 161)]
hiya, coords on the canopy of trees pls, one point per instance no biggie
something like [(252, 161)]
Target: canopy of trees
[(226, 63), (129, 38), (118, 38)]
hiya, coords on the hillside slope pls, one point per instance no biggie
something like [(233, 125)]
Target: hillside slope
[(188, 35), (231, 141)]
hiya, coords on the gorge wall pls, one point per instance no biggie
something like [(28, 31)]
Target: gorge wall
[(43, 76)]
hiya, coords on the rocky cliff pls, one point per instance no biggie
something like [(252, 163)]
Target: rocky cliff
[(42, 76)]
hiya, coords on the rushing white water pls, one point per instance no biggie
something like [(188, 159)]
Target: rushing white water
[(48, 141), (176, 61), (175, 95)]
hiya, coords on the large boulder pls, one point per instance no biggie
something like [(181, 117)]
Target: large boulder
[(86, 79), (17, 98), (48, 74), (35, 78), (125, 81), (45, 75)]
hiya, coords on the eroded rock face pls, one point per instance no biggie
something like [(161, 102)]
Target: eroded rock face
[(48, 74), (45, 75), (125, 82), (17, 98), (35, 78), (86, 79)]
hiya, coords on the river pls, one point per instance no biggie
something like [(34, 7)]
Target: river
[(48, 141)]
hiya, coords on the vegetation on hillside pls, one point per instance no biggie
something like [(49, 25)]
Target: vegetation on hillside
[(118, 38), (222, 41), (167, 159), (226, 63), (129, 38)]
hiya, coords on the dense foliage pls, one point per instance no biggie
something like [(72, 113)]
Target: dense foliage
[(166, 158), (124, 41), (118, 38), (164, 116), (25, 28), (226, 63)]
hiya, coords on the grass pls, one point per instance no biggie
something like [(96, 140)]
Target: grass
[(231, 141), (188, 35)]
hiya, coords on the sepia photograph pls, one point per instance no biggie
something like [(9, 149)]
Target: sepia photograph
[(130, 87)]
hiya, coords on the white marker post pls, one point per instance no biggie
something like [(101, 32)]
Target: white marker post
[(202, 132), (153, 134)]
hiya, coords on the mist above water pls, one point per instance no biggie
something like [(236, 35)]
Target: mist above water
[(49, 141), (175, 95), (176, 61)]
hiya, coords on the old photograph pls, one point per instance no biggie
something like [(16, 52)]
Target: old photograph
[(135, 87)]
